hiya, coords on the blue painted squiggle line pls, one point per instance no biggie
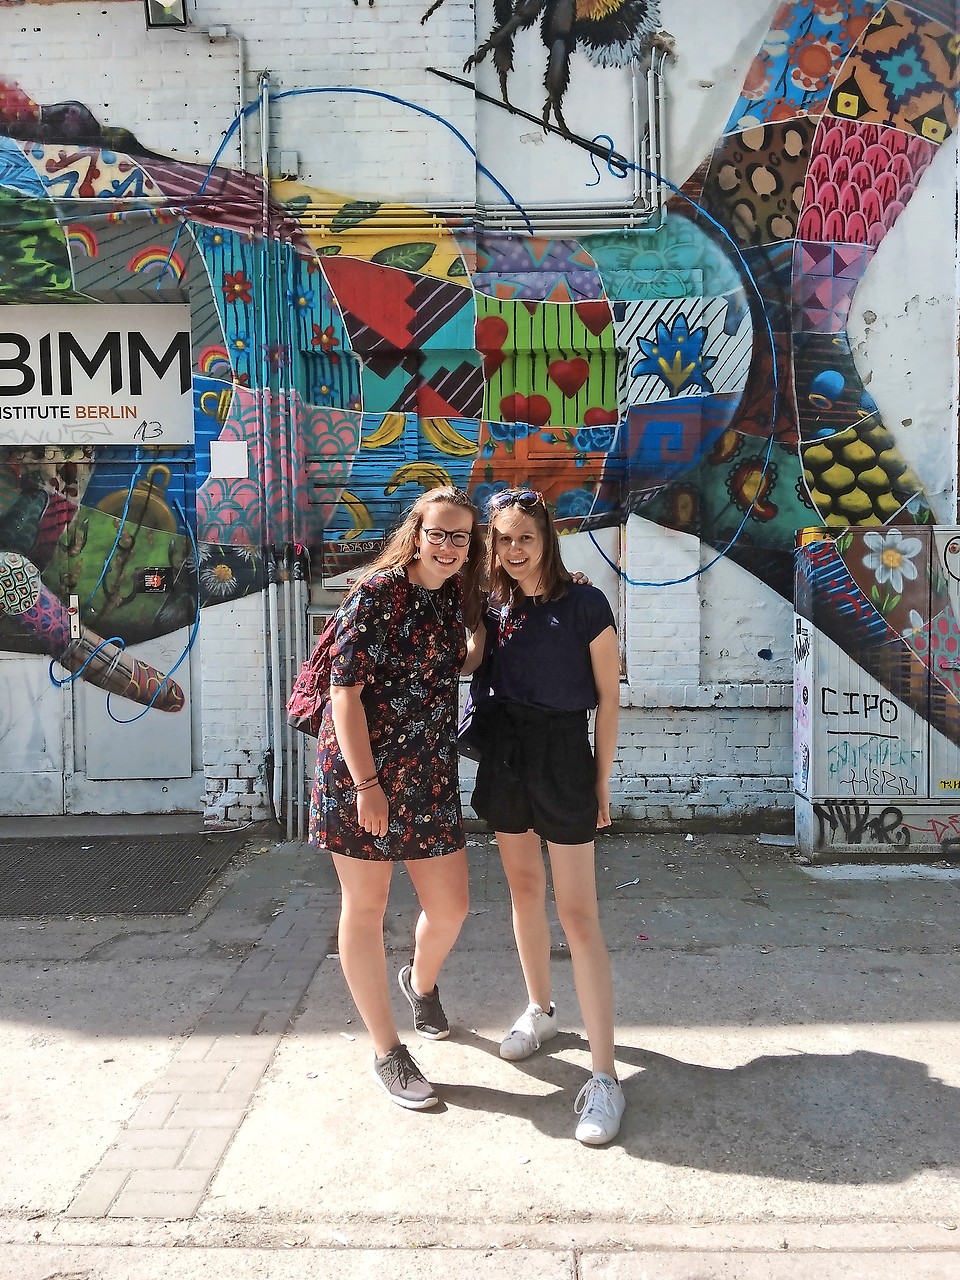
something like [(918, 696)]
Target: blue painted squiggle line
[(372, 93), (615, 169), (702, 213)]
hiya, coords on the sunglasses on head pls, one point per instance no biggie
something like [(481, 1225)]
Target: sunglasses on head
[(525, 498)]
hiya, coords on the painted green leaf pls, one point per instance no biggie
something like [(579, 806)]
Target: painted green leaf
[(891, 602), (328, 250), (457, 268), (405, 257), (354, 212), (875, 594)]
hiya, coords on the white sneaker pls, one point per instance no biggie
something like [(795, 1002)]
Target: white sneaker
[(529, 1032), (599, 1105)]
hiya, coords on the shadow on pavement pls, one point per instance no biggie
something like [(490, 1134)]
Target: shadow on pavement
[(859, 1118)]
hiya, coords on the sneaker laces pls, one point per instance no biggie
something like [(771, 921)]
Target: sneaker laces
[(405, 1067), (596, 1099)]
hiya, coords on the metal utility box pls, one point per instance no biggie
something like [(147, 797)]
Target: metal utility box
[(877, 691)]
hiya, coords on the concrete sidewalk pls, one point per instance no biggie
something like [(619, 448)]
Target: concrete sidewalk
[(191, 1095)]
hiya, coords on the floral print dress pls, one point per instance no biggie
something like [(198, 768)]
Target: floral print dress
[(406, 646)]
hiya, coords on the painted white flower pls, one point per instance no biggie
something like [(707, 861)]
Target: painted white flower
[(217, 580), (891, 557), (917, 624)]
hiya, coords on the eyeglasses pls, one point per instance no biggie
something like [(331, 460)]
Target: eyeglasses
[(525, 498), (437, 537)]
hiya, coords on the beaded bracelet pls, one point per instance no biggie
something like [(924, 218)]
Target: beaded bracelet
[(363, 782), (368, 785)]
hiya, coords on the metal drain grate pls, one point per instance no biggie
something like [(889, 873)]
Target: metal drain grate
[(110, 875)]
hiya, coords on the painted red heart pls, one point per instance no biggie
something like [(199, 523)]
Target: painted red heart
[(513, 408), (492, 360), (538, 411), (601, 418), (491, 333), (535, 410), (595, 315), (568, 375)]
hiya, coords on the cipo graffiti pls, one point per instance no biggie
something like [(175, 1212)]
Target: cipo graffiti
[(855, 702)]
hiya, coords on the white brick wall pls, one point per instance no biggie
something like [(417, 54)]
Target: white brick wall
[(235, 737)]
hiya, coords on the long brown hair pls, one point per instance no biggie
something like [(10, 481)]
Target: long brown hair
[(554, 577), (403, 543)]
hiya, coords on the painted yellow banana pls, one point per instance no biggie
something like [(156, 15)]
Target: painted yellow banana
[(359, 513), (444, 436), (388, 432), (428, 474)]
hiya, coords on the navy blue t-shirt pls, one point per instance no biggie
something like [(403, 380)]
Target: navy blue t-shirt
[(542, 656)]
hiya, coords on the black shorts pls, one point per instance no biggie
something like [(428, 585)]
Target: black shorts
[(537, 772)]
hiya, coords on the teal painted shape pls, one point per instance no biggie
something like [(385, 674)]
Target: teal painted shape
[(676, 261), (381, 394), (457, 333), (434, 361)]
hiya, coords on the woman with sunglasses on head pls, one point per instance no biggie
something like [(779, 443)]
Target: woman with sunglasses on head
[(554, 658), (386, 788)]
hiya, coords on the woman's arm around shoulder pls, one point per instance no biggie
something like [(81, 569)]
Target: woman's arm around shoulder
[(475, 642)]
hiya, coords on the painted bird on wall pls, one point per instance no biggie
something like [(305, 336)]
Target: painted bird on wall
[(612, 33)]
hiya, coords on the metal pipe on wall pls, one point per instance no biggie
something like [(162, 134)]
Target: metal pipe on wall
[(289, 625), (301, 577), (265, 429)]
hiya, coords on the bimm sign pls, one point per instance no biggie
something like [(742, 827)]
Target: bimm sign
[(96, 374)]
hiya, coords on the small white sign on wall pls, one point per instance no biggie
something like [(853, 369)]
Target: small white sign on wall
[(96, 374)]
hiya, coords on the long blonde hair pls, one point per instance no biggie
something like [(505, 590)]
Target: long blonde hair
[(403, 543)]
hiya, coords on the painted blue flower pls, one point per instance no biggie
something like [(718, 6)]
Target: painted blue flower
[(212, 238), (510, 432), (676, 357), (595, 439), (302, 299), (239, 344), (574, 503)]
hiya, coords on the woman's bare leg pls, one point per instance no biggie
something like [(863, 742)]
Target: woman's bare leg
[(365, 888), (443, 889), (575, 890), (527, 877)]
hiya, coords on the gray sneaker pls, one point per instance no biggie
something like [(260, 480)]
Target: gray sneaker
[(400, 1077), (429, 1020), (529, 1032)]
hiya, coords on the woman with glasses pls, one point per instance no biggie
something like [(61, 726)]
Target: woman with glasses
[(555, 658), (386, 788)]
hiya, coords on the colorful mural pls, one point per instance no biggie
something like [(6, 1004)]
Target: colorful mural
[(698, 373)]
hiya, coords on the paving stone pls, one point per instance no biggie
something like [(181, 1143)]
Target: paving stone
[(130, 1158), (153, 1111), (168, 1180), (195, 1048), (98, 1193), (144, 1139), (156, 1204), (209, 1118), (208, 1076), (207, 1149), (229, 1099), (240, 1048), (244, 1076)]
